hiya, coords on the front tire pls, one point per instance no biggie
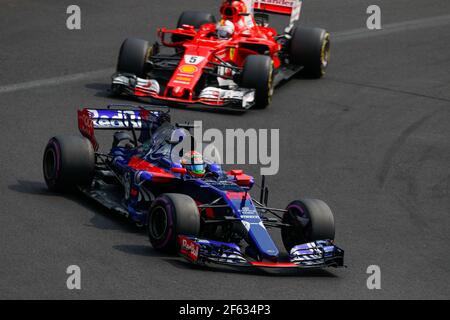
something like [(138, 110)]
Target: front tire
[(310, 48), (172, 215), (310, 220), (258, 74), (133, 57), (69, 161)]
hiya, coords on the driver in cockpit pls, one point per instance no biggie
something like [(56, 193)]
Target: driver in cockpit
[(194, 164)]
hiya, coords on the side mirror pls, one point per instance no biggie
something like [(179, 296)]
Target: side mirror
[(187, 27), (181, 171), (236, 172), (242, 179)]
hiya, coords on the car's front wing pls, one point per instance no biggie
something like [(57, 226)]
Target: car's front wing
[(318, 254), (211, 96)]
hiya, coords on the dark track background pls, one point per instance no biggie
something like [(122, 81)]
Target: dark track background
[(372, 139)]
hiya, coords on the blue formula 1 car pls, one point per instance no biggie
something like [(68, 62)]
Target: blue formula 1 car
[(193, 208)]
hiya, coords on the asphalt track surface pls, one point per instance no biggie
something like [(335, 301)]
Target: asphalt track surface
[(372, 139)]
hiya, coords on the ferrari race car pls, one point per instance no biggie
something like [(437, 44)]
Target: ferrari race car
[(195, 208), (234, 63)]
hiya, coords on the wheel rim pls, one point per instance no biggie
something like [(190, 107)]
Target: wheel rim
[(50, 164), (305, 221), (158, 223), (298, 218)]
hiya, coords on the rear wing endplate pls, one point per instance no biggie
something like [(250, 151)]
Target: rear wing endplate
[(290, 8), (136, 118)]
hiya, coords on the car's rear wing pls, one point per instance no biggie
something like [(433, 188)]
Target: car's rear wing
[(119, 117), (290, 8), (284, 7)]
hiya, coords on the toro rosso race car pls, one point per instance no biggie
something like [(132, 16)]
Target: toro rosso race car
[(190, 205), (234, 63)]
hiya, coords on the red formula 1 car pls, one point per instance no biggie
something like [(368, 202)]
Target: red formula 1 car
[(234, 63)]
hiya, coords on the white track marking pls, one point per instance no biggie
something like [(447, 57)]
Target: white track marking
[(56, 80), (337, 37)]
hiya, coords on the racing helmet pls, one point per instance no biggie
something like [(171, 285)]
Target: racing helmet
[(225, 29), (194, 164), (231, 10)]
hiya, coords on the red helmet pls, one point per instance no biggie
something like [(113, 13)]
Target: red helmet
[(231, 9)]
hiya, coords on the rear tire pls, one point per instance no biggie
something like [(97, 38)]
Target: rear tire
[(69, 161), (258, 74), (195, 19), (172, 214), (133, 57), (310, 48), (310, 220)]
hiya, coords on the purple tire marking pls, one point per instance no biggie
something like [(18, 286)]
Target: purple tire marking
[(302, 211), (168, 208)]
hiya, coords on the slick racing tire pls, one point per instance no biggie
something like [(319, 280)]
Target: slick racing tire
[(69, 161), (133, 57), (172, 214), (309, 220), (310, 48), (192, 18), (258, 74), (195, 19)]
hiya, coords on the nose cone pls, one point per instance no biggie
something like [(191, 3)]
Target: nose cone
[(178, 92), (263, 241)]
